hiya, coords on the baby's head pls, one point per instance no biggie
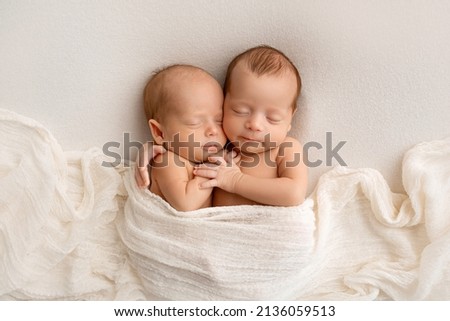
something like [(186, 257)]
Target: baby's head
[(183, 105), (261, 91)]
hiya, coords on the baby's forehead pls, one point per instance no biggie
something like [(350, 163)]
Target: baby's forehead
[(191, 89), (187, 86), (185, 74), (244, 67)]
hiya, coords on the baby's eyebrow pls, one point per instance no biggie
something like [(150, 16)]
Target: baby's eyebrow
[(240, 100), (278, 108), (189, 117), (194, 114)]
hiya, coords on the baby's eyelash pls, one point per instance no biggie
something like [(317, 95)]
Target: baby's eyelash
[(240, 112), (193, 124), (272, 120)]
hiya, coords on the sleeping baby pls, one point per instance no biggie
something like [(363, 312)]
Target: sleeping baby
[(261, 91), (183, 105)]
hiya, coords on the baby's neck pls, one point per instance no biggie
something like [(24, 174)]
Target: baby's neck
[(253, 159), (184, 159)]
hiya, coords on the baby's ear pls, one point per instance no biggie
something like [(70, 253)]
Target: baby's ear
[(156, 130)]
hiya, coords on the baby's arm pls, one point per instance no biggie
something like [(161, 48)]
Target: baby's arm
[(183, 193), (288, 189), (146, 153)]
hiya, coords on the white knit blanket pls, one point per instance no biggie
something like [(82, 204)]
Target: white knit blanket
[(73, 229)]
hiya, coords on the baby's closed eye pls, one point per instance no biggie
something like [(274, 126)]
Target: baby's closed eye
[(274, 118), (241, 110), (194, 125), (192, 122)]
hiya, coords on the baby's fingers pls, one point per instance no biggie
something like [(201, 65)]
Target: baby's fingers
[(217, 160), (158, 149), (232, 156), (208, 184), (206, 172), (142, 177)]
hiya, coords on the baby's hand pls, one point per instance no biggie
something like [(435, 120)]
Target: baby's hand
[(222, 174), (232, 156), (146, 153), (229, 156)]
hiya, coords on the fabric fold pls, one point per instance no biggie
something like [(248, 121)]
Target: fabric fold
[(71, 228)]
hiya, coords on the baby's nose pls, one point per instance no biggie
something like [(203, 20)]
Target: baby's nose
[(254, 123), (212, 130)]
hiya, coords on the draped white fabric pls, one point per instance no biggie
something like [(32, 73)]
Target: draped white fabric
[(71, 228)]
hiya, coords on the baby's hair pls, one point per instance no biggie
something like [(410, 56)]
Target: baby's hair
[(157, 92), (265, 60)]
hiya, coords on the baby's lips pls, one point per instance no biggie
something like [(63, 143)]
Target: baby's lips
[(212, 147)]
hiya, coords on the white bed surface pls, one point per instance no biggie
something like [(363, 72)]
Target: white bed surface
[(375, 73)]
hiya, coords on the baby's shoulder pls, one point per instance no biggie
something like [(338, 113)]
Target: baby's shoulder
[(290, 157), (289, 150), (169, 160), (290, 143)]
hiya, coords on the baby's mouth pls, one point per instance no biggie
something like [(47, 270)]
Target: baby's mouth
[(248, 139), (250, 144), (212, 147)]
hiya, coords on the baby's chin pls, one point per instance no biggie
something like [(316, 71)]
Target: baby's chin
[(252, 147), (202, 156), (217, 153)]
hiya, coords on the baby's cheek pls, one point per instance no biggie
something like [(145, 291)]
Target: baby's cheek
[(229, 130)]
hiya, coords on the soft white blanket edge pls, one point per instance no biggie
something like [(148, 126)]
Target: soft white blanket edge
[(60, 213)]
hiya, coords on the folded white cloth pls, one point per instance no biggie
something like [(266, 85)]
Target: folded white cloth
[(60, 214), (57, 211), (239, 252)]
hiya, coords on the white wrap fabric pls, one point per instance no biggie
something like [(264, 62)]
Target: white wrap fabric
[(71, 228)]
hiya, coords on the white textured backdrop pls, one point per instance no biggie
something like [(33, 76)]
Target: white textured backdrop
[(375, 73)]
